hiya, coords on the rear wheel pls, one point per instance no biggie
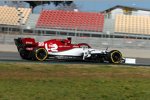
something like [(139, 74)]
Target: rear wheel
[(27, 55), (115, 56), (40, 54), (23, 53)]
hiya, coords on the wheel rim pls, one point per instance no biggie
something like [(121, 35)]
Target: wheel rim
[(41, 54), (116, 57)]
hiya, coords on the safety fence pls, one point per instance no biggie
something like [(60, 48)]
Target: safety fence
[(101, 42)]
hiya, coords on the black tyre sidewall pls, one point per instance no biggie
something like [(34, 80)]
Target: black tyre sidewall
[(111, 59), (23, 53)]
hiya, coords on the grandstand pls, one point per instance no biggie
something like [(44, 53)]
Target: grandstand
[(133, 31), (73, 23), (71, 20), (132, 24), (12, 16)]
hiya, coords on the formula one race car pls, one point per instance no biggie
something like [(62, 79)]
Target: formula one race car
[(64, 49)]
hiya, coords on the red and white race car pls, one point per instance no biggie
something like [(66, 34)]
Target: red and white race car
[(64, 49)]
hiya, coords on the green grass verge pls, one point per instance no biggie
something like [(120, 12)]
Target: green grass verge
[(22, 81)]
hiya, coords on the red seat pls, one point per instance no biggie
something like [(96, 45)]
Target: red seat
[(71, 20)]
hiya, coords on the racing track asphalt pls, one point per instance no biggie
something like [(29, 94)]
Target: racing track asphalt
[(14, 57)]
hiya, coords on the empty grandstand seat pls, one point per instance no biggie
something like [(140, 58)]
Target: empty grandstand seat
[(83, 21), (132, 24), (10, 15)]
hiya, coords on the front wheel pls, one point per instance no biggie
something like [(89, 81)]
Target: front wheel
[(40, 54), (115, 56)]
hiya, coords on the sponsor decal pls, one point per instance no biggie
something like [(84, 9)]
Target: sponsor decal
[(30, 49), (28, 42), (51, 47), (41, 44), (75, 46)]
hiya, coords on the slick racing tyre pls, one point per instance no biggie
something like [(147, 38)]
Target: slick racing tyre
[(40, 54), (115, 56), (23, 53)]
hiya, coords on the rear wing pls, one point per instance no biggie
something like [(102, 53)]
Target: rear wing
[(18, 42), (24, 42)]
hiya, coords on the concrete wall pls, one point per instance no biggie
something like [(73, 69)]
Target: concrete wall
[(95, 42)]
